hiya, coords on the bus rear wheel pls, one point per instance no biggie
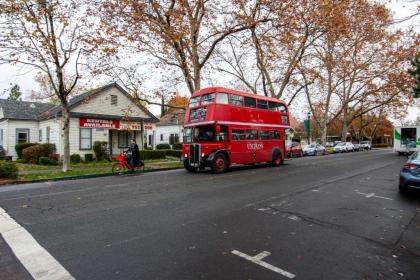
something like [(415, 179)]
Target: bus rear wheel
[(277, 159), (188, 167), (220, 163)]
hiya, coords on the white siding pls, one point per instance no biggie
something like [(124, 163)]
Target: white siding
[(3, 127), (97, 135), (166, 131), (33, 127), (101, 104), (55, 133)]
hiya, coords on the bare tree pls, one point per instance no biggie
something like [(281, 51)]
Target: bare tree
[(48, 36)]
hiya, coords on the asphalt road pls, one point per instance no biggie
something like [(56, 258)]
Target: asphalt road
[(327, 217)]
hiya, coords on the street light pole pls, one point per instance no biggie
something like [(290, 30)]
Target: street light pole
[(309, 128)]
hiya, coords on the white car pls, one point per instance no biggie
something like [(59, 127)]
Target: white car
[(366, 145), (343, 147), (313, 150)]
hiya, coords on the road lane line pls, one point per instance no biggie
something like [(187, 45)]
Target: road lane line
[(37, 261), (257, 259), (369, 195)]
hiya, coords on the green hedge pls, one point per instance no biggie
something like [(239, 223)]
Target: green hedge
[(47, 161), (159, 154), (75, 158), (100, 148), (163, 146), (88, 157), (20, 147), (33, 153), (177, 146), (8, 169)]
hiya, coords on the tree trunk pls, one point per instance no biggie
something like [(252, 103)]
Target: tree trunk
[(66, 138), (345, 125)]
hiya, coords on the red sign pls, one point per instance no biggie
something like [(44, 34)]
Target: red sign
[(98, 123)]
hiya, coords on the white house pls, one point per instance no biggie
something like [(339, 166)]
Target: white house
[(106, 114), (169, 128)]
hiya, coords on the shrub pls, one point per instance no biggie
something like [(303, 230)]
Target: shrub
[(8, 169), (20, 147), (88, 157), (47, 161), (55, 157), (75, 158), (174, 153), (382, 145), (163, 146), (152, 154), (100, 149), (33, 153), (177, 146)]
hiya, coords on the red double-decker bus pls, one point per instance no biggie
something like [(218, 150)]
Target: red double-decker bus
[(225, 127)]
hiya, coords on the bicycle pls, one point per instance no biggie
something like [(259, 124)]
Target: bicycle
[(122, 166)]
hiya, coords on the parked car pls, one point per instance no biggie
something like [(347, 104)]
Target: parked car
[(357, 147), (366, 145), (314, 150), (410, 173), (294, 150), (329, 144), (340, 148)]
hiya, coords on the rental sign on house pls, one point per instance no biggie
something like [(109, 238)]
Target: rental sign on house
[(98, 123)]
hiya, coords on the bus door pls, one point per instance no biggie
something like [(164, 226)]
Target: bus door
[(241, 149)]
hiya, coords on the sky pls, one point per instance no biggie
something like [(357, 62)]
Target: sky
[(24, 77)]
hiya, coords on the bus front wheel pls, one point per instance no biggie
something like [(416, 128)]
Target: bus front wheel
[(188, 167), (220, 163)]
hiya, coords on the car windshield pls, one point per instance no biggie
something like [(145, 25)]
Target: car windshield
[(311, 146), (340, 144), (415, 156)]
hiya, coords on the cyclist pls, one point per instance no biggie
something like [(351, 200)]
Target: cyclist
[(133, 154)]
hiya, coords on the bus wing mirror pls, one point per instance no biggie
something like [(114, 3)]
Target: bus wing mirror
[(217, 129)]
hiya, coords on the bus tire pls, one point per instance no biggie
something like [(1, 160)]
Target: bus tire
[(277, 158), (219, 164), (188, 167)]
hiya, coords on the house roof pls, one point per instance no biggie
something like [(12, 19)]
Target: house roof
[(173, 117), (75, 101), (23, 110)]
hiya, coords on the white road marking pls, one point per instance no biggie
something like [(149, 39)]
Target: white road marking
[(369, 195), (257, 259), (37, 261)]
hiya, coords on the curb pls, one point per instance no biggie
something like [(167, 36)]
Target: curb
[(98, 175)]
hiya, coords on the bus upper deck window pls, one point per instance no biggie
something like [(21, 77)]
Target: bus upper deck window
[(262, 104), (236, 100), (250, 102), (282, 108), (207, 99), (194, 102), (222, 98)]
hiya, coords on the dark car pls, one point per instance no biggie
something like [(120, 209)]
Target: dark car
[(294, 150), (410, 173)]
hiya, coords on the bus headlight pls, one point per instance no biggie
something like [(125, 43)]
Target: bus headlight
[(202, 154), (186, 155)]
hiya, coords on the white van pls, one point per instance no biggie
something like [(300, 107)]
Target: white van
[(406, 139)]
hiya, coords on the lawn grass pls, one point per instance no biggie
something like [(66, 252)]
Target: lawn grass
[(57, 174)]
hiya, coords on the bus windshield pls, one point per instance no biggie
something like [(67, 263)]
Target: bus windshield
[(205, 133)]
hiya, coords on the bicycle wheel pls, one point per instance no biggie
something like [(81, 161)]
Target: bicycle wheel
[(118, 169)]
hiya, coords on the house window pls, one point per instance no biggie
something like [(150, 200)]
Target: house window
[(161, 137), (1, 136), (85, 139), (22, 135), (114, 100), (123, 139), (173, 139), (40, 135), (151, 140), (47, 134)]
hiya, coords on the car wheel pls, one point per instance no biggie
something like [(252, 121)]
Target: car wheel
[(403, 188), (301, 154)]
